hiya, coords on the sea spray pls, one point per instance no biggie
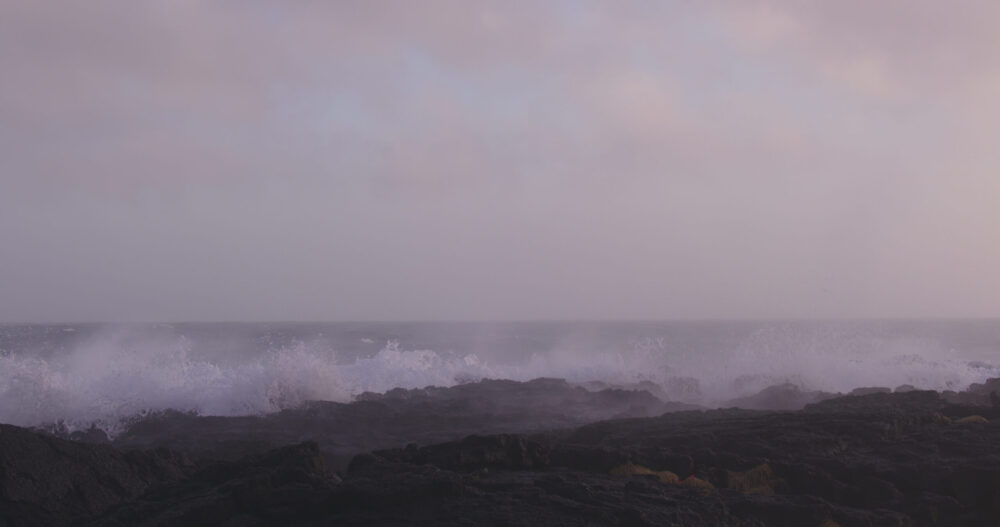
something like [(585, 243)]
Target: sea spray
[(115, 373)]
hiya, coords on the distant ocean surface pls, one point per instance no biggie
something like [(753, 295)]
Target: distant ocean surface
[(80, 375)]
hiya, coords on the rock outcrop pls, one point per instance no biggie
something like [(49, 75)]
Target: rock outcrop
[(910, 458), (374, 421), (50, 481)]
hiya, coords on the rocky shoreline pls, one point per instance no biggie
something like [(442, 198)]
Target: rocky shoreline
[(541, 453)]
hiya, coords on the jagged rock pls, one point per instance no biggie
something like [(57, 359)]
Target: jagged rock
[(374, 421), (977, 394), (92, 435), (869, 391), (475, 452), (914, 402), (284, 486), (882, 459), (780, 397), (49, 481)]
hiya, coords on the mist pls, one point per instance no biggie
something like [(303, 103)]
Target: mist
[(178, 161)]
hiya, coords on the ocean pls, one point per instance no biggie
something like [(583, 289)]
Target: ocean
[(81, 375)]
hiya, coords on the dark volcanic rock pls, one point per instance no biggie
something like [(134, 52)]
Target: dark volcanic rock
[(475, 453), (870, 390), (780, 397), (909, 403), (879, 459), (860, 454), (977, 394), (50, 481), (540, 399), (398, 417), (289, 485)]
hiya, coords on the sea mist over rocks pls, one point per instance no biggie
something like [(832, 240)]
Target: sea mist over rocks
[(107, 375)]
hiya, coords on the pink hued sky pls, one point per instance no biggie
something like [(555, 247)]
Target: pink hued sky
[(180, 160)]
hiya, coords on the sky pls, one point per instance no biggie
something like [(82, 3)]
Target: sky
[(174, 160)]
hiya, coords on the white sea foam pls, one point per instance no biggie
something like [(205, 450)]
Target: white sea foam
[(117, 376)]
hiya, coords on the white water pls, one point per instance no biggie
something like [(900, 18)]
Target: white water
[(116, 376)]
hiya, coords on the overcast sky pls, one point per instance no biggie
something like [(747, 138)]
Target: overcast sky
[(241, 160)]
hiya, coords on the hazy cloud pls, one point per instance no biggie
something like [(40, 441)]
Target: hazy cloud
[(451, 159)]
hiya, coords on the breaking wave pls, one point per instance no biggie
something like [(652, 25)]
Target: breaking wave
[(113, 378)]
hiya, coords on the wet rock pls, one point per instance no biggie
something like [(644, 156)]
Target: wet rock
[(911, 403), (780, 397), (871, 492), (475, 453), (879, 459), (400, 416), (978, 394), (288, 485), (869, 391), (92, 435), (590, 458), (50, 481)]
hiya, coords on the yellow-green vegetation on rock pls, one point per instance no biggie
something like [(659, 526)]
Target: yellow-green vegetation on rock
[(630, 469), (972, 419), (757, 480), (829, 523), (694, 482)]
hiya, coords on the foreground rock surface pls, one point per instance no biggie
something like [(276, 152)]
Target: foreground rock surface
[(397, 417), (908, 458)]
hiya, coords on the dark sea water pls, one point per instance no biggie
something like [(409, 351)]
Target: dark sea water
[(94, 373)]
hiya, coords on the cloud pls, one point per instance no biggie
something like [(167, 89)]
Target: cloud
[(932, 48), (637, 152)]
